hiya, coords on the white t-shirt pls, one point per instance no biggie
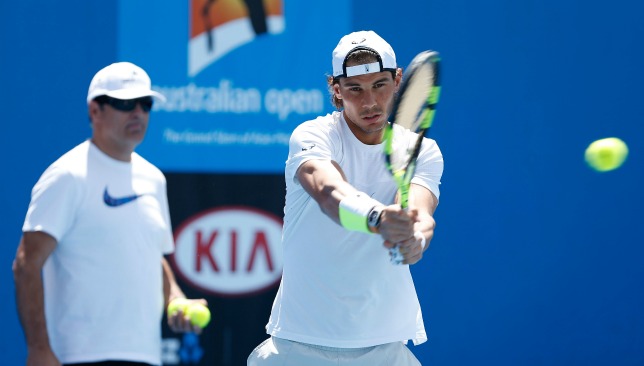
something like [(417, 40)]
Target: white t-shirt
[(103, 282), (338, 287)]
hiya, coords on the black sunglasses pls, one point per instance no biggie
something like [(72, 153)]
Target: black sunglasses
[(126, 105)]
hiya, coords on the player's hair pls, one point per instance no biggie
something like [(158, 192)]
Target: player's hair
[(359, 57)]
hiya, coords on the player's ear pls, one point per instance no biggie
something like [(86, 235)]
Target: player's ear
[(93, 107), (398, 77), (336, 91)]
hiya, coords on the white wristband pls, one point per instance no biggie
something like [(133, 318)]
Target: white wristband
[(419, 235)]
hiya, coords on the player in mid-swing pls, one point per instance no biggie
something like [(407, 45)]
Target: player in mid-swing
[(341, 299)]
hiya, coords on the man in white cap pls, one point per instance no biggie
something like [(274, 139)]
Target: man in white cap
[(341, 301), (97, 229)]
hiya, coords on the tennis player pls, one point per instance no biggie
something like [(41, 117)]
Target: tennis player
[(341, 301), (97, 228)]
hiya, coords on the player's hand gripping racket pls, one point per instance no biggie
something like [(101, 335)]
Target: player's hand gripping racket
[(413, 110)]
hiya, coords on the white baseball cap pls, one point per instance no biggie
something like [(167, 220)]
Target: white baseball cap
[(368, 40), (122, 80)]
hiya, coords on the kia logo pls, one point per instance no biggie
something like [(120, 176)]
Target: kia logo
[(229, 251)]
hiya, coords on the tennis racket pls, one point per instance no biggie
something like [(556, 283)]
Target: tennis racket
[(413, 110)]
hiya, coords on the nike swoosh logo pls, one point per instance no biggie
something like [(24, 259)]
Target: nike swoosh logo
[(117, 201)]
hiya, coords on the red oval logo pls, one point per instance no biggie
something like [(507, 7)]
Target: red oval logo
[(230, 251)]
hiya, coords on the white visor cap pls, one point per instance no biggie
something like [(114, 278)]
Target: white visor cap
[(367, 40)]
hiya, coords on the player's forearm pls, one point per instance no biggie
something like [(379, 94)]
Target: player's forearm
[(425, 203), (30, 304), (324, 181), (425, 226), (171, 289), (330, 196)]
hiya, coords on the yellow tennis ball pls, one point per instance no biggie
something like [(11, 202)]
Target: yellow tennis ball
[(199, 315), (178, 304), (606, 154)]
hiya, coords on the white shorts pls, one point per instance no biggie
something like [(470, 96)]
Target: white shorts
[(277, 351)]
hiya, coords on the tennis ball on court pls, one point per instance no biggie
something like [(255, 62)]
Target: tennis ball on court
[(606, 154), (178, 304), (199, 315)]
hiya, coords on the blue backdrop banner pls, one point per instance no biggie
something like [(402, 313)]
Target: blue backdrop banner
[(239, 76)]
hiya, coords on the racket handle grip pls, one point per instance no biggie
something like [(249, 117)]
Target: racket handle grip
[(395, 256)]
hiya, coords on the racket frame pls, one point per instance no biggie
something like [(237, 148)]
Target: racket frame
[(404, 175)]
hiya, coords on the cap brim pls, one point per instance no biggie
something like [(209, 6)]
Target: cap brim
[(135, 93)]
